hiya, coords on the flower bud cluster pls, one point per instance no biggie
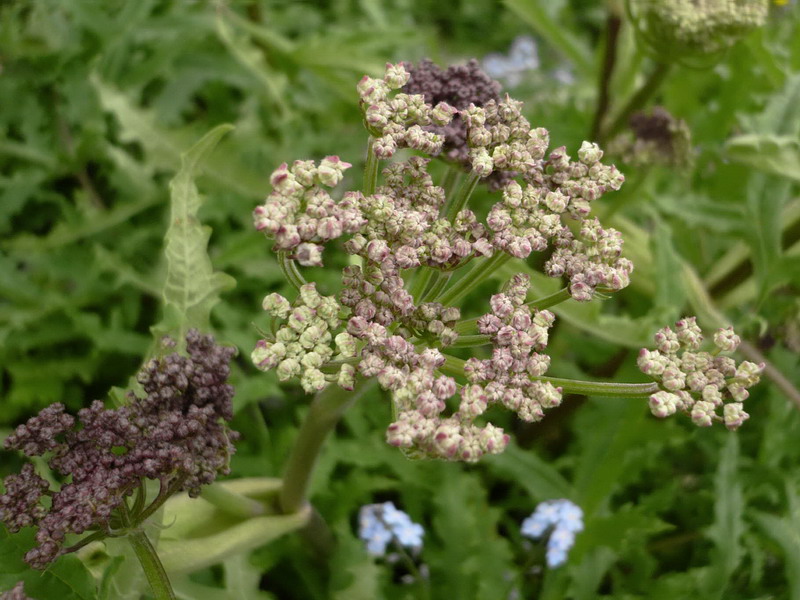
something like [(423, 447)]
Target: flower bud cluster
[(420, 398), (16, 593), (177, 434), (301, 216), (516, 333), (400, 120), (379, 524), (688, 27), (701, 384), (593, 260), (302, 344), (563, 519), (531, 217)]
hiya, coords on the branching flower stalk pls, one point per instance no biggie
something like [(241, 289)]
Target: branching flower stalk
[(176, 434), (398, 312)]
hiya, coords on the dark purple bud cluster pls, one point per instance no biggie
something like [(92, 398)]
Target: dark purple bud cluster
[(459, 86), (16, 593), (177, 434)]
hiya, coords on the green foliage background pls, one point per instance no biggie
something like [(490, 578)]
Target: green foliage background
[(101, 98)]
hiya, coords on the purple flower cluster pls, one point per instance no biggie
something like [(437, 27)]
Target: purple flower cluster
[(458, 86), (698, 383), (401, 120), (177, 434)]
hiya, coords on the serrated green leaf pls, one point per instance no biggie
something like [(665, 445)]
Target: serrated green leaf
[(726, 532), (537, 477), (785, 532), (192, 287), (777, 155), (65, 579)]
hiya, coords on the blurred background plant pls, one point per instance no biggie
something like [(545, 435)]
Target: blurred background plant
[(100, 99)]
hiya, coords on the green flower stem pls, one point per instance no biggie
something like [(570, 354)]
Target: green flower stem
[(479, 273), (558, 297), (232, 503), (470, 341), (151, 565), (442, 278), (637, 101), (608, 389), (419, 284), (455, 368), (371, 169), (459, 201), (290, 270), (323, 415), (450, 176)]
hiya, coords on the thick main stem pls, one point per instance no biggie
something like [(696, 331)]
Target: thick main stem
[(323, 415), (637, 101), (151, 565), (613, 23)]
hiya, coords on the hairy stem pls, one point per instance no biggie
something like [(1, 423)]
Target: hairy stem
[(613, 23), (370, 169), (479, 273), (323, 415), (455, 368), (642, 95), (151, 565)]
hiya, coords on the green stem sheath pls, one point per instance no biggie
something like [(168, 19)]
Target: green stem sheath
[(371, 169), (151, 565), (232, 503), (324, 413)]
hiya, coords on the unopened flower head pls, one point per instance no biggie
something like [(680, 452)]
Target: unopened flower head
[(563, 520), (655, 138), (176, 433), (707, 386), (688, 28), (380, 524)]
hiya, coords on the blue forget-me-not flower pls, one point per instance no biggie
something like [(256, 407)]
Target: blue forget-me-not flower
[(564, 519), (378, 524)]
